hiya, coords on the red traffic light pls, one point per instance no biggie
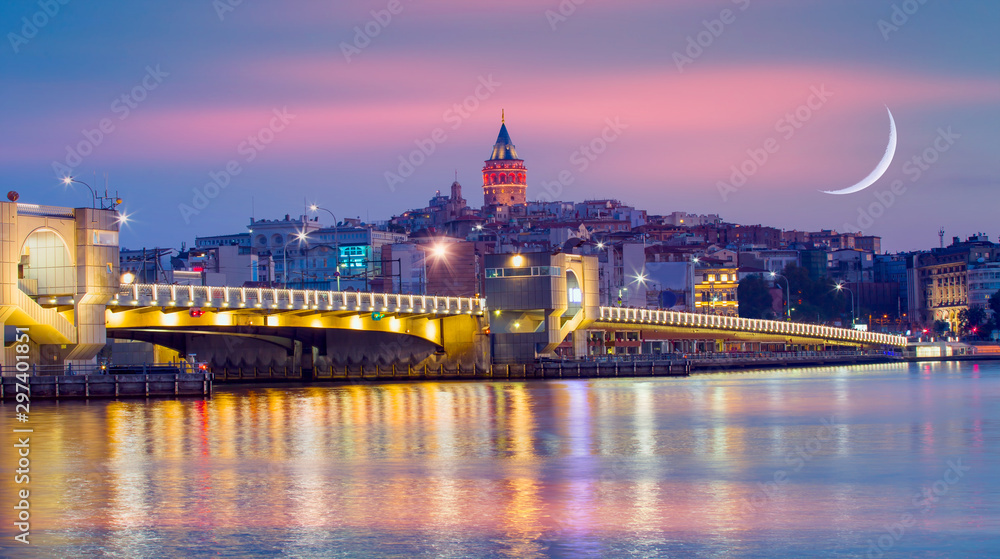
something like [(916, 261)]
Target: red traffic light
[(196, 313)]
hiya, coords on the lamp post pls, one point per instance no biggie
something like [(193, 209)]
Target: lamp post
[(300, 237), (640, 281), (788, 296), (613, 280), (439, 251), (336, 240), (70, 180), (840, 287)]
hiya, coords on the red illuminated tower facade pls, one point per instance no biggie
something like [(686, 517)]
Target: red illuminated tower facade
[(504, 175)]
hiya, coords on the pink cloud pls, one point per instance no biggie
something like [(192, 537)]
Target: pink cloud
[(689, 127)]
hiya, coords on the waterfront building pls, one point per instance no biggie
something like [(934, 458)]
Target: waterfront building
[(868, 243), (942, 278), (352, 253), (891, 268), (271, 238), (815, 262), (237, 239), (685, 219), (832, 240), (769, 260), (984, 282), (231, 265), (715, 288), (851, 265), (449, 215), (147, 265)]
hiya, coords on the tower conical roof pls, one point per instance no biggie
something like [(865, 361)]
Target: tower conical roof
[(504, 148)]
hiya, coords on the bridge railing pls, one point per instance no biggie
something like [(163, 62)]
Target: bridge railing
[(273, 299), (107, 369), (637, 316), (736, 355)]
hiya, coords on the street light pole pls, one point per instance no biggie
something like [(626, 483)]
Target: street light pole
[(788, 296), (336, 240), (300, 237), (840, 286), (70, 180)]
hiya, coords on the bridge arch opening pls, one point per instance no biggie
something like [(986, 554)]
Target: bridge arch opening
[(574, 294), (46, 265)]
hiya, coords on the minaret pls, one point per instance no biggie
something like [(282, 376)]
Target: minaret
[(504, 175)]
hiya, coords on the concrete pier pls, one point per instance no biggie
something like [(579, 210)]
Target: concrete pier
[(111, 386)]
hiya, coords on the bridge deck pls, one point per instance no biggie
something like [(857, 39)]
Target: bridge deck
[(674, 319), (280, 300)]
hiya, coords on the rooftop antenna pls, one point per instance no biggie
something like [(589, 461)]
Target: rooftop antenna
[(941, 235), (501, 116)]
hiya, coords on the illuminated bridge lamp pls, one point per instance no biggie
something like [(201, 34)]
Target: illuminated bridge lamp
[(517, 260), (128, 278)]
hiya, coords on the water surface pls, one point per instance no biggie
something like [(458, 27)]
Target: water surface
[(868, 461)]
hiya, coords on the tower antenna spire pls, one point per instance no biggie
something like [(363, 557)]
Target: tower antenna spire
[(501, 116)]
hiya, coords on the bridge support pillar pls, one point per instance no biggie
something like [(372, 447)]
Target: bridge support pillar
[(309, 367), (296, 358), (580, 343)]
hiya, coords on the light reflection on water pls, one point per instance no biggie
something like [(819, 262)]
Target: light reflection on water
[(787, 463)]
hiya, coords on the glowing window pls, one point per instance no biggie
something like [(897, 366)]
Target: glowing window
[(105, 238)]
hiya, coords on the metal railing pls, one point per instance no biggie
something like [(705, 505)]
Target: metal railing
[(736, 356), (276, 300), (638, 316), (106, 369), (44, 211)]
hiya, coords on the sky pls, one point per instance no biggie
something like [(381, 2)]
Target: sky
[(203, 113)]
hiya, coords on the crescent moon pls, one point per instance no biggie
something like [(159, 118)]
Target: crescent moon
[(882, 167)]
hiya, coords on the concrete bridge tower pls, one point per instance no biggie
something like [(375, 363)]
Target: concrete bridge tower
[(58, 270)]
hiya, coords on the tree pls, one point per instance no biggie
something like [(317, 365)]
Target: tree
[(940, 327), (754, 297), (814, 300), (973, 321)]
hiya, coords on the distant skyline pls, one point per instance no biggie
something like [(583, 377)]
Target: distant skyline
[(743, 108)]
